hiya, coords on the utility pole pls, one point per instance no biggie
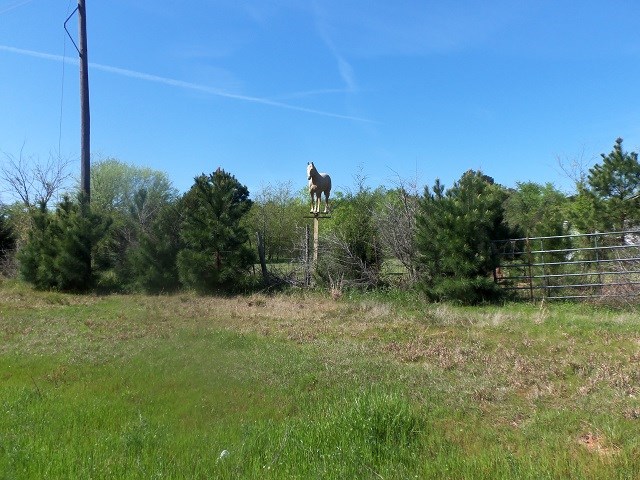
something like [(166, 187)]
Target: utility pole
[(85, 124), (85, 127), (85, 121)]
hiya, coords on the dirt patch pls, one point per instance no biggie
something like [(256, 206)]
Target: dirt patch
[(596, 443)]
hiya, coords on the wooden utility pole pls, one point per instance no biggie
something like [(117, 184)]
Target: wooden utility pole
[(85, 123)]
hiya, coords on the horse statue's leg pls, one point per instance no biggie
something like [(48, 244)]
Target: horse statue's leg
[(312, 202), (326, 202)]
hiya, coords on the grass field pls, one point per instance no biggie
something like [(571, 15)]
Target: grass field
[(301, 386)]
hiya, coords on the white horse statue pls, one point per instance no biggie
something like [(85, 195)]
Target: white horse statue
[(319, 183)]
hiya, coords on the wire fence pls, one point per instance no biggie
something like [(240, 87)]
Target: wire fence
[(581, 266)]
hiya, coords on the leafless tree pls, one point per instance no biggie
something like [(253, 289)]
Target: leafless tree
[(31, 181), (338, 260), (396, 222), (575, 168)]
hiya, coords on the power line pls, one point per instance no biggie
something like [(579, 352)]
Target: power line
[(64, 55)]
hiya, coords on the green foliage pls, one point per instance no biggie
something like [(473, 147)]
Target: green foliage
[(115, 185), (466, 291), (59, 247), (536, 210), (7, 238), (351, 245), (215, 254), (17, 220), (586, 210), (36, 256), (277, 213), (454, 233), (618, 176), (154, 259), (614, 186), (79, 229), (133, 197)]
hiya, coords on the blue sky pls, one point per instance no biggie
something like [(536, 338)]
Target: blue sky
[(425, 89)]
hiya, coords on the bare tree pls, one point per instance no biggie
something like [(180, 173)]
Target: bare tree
[(575, 168), (339, 260), (31, 181), (396, 222)]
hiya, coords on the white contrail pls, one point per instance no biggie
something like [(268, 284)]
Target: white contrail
[(14, 6), (310, 93), (180, 84), (31, 53)]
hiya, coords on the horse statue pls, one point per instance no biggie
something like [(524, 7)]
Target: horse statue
[(319, 183)]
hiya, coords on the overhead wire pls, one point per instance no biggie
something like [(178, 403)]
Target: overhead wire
[(64, 55)]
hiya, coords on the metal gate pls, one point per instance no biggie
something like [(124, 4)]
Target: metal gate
[(580, 266)]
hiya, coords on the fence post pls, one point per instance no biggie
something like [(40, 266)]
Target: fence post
[(530, 260), (598, 266), (545, 279), (307, 260), (315, 239)]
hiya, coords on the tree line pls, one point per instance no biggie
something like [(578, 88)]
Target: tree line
[(138, 234)]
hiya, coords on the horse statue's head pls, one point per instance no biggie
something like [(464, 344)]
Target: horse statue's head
[(310, 168)]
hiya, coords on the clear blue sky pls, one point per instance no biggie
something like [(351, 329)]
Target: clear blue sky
[(381, 88)]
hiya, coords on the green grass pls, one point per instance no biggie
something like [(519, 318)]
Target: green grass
[(300, 386)]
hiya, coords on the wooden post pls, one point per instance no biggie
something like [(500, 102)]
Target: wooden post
[(530, 261), (316, 227), (85, 144), (307, 258), (315, 239)]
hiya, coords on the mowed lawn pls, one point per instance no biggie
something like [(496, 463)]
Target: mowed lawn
[(299, 385)]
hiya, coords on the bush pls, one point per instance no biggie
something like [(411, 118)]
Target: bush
[(466, 291), (7, 243)]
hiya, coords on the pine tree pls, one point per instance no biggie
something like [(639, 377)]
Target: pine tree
[(58, 251), (37, 255), (216, 255), (616, 184), (454, 233), (79, 230), (154, 260)]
